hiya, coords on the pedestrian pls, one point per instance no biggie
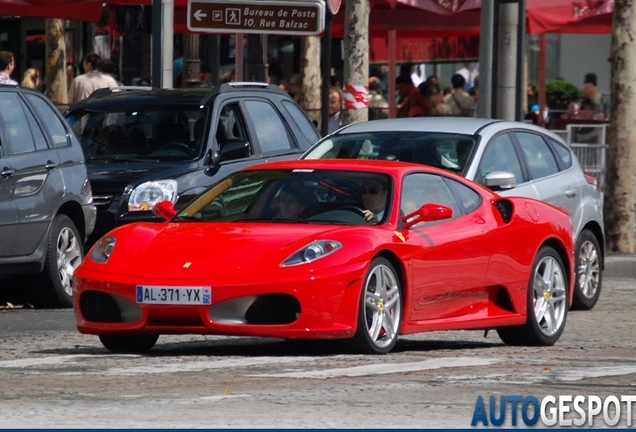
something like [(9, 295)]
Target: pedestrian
[(413, 103), (205, 76), (31, 79), (7, 65), (92, 79), (336, 103), (109, 67), (378, 105), (591, 98), (70, 75), (459, 101)]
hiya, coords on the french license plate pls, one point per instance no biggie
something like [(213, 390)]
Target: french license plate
[(174, 295)]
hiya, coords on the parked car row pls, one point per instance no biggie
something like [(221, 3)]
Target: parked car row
[(128, 153)]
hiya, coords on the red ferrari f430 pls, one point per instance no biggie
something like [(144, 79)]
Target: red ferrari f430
[(333, 249)]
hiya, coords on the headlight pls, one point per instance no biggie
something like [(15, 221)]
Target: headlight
[(312, 252), (102, 249), (146, 195)]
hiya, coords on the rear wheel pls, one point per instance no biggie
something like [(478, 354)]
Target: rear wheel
[(129, 344), (64, 254), (380, 310), (587, 286), (547, 304)]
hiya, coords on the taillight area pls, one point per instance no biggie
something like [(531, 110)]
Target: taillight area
[(591, 179)]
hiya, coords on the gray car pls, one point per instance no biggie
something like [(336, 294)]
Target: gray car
[(46, 204), (512, 158)]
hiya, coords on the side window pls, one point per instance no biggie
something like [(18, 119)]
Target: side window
[(51, 120), (540, 158), (230, 125), (419, 189), (500, 155), (16, 125), (563, 152), (270, 129), (307, 129), (468, 199)]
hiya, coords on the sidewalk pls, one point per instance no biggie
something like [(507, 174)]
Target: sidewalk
[(620, 266)]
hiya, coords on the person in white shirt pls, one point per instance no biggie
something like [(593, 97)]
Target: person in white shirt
[(92, 79), (7, 64)]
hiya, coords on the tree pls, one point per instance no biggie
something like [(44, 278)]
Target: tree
[(311, 76), (620, 187), (55, 61), (356, 62)]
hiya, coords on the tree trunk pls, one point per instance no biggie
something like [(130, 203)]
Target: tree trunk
[(55, 62), (311, 77), (356, 62), (620, 187)]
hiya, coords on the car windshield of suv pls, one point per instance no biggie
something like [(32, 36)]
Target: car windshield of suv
[(294, 196), (140, 134), (443, 150)]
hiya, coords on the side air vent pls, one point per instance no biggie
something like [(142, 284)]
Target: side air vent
[(505, 209)]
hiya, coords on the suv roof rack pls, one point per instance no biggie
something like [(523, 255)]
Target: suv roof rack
[(118, 89)]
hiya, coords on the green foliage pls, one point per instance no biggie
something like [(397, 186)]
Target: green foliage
[(559, 93)]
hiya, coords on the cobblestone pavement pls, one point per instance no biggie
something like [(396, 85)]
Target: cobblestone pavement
[(54, 377)]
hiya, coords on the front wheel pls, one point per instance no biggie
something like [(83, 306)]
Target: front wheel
[(129, 344), (547, 303), (380, 309), (63, 255), (587, 286)]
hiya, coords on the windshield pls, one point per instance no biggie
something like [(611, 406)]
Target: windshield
[(297, 196), (152, 134), (443, 150)]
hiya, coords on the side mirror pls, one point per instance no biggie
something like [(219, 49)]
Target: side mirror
[(211, 163), (429, 212), (234, 148), (164, 209), (500, 180)]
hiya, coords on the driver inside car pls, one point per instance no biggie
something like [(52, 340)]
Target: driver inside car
[(374, 199)]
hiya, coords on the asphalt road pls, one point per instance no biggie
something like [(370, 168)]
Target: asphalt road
[(54, 377)]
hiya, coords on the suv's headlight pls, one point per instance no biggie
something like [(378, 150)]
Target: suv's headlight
[(146, 195)]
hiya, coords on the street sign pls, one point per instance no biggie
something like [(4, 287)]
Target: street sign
[(303, 17)]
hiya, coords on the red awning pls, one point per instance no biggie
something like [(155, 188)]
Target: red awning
[(569, 16), (410, 18), (79, 10)]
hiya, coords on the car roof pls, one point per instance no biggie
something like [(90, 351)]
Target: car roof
[(381, 166), (453, 125), (461, 125), (116, 96)]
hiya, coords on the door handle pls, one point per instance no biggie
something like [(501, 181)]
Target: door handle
[(50, 165), (7, 172), (570, 192)]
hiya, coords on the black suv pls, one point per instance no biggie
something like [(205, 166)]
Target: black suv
[(46, 208), (146, 146)]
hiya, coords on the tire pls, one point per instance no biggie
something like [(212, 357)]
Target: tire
[(129, 344), (589, 277), (547, 303), (64, 253), (380, 309)]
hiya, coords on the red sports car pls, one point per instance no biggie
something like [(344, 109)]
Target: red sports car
[(333, 249)]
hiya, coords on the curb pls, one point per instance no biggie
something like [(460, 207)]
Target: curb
[(620, 266)]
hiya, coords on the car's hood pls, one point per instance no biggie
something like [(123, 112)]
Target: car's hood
[(223, 250), (114, 177)]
